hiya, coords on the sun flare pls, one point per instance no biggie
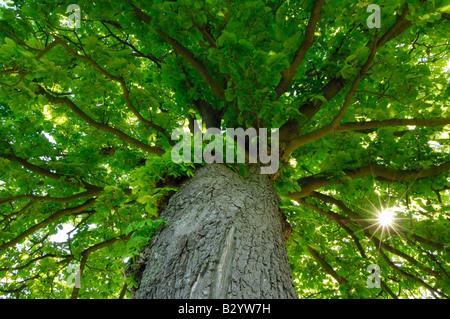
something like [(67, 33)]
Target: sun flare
[(386, 217)]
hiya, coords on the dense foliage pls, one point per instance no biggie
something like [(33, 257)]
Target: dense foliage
[(86, 115)]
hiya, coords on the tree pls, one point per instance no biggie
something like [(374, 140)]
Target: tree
[(91, 93)]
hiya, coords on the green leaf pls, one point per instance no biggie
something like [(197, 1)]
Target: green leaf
[(227, 38)]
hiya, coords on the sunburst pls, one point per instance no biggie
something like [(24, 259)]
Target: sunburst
[(386, 217)]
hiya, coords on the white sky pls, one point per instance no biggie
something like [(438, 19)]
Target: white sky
[(61, 235)]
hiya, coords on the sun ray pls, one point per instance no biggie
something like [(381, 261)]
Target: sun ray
[(381, 239), (385, 220)]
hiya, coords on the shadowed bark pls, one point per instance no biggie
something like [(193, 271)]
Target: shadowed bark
[(224, 240)]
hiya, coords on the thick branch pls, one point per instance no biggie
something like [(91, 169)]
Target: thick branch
[(355, 126), (358, 126), (216, 87), (34, 168), (29, 262), (323, 131), (85, 254), (101, 126), (327, 266), (43, 172), (54, 217), (205, 34), (408, 275), (34, 198), (126, 97), (19, 212), (340, 220), (397, 28), (120, 80), (210, 116), (291, 128), (378, 243), (288, 74), (126, 93), (311, 183)]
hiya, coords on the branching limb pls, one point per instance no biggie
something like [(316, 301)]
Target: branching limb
[(311, 183), (120, 80), (378, 243), (30, 262), (34, 198), (23, 285), (409, 276), (43, 172), (327, 266), (210, 116), (356, 126), (215, 86), (34, 168), (123, 291), (100, 126), (85, 255), (323, 131), (8, 218), (80, 209), (359, 126), (138, 53), (204, 32), (340, 220), (288, 74), (291, 128)]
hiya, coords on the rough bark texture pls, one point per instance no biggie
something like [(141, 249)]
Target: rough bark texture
[(224, 240)]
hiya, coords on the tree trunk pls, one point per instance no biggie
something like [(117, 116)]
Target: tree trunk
[(224, 240)]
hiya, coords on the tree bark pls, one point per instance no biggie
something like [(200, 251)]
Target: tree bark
[(225, 239)]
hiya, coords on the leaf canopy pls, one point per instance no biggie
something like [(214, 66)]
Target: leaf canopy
[(86, 116)]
